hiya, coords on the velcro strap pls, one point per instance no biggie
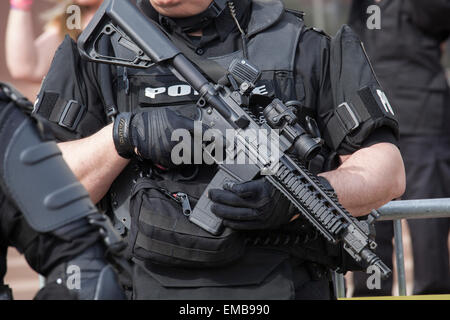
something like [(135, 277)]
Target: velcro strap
[(367, 103), (343, 121), (66, 113)]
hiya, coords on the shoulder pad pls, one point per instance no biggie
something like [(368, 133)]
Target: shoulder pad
[(34, 175), (65, 91), (361, 104)]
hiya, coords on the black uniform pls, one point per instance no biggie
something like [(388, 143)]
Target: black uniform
[(300, 71), (406, 56), (51, 228), (42, 251)]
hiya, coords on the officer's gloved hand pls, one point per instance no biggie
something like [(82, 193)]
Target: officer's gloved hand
[(87, 277), (149, 134), (252, 205)]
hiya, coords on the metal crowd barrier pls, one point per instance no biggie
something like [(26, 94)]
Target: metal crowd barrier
[(396, 211)]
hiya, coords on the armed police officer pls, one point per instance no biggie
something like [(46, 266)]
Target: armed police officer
[(47, 215), (265, 252)]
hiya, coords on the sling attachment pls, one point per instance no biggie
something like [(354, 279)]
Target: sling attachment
[(115, 247), (106, 81), (111, 239)]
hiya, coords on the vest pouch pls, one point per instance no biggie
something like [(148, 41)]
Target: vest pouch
[(161, 232)]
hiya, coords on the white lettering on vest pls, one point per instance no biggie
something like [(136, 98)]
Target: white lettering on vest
[(179, 90), (152, 92), (385, 102), (260, 90)]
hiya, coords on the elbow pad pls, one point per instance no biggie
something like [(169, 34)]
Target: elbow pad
[(34, 174), (361, 104)]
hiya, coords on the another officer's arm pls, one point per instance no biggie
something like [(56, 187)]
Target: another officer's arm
[(368, 178), (94, 161), (27, 58)]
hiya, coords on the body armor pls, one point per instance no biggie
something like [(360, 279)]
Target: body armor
[(158, 87)]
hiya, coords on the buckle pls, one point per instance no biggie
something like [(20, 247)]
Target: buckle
[(344, 121), (66, 110)]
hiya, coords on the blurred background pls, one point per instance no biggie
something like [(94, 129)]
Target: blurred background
[(30, 89), (328, 15)]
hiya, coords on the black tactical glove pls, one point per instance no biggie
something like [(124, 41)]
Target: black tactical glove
[(252, 205), (149, 134)]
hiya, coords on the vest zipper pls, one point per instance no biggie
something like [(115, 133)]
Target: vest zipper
[(180, 197), (183, 198)]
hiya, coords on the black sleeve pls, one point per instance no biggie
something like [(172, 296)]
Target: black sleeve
[(312, 68), (380, 135), (358, 14), (69, 100), (431, 15), (313, 65)]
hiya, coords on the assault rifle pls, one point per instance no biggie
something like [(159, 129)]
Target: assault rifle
[(222, 108)]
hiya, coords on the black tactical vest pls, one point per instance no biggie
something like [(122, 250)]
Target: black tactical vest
[(274, 36)]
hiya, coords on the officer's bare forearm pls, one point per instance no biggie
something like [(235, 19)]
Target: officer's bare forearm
[(369, 178), (94, 161)]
